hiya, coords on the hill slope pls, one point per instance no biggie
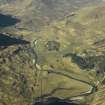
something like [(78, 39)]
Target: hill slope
[(66, 61), (37, 13)]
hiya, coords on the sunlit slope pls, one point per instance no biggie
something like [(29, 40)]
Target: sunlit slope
[(83, 35), (93, 20)]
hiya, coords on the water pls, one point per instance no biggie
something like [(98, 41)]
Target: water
[(7, 20), (55, 101), (6, 41)]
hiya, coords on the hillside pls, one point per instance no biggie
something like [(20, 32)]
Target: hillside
[(63, 61), (35, 14)]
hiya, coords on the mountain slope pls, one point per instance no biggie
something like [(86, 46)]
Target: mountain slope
[(56, 63), (37, 13)]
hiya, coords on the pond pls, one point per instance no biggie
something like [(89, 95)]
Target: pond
[(7, 20), (6, 40), (55, 101)]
